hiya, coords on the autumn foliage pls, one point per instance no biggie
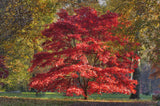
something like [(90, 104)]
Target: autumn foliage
[(3, 69), (155, 74), (85, 55)]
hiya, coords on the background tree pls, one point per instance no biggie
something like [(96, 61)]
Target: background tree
[(156, 73), (70, 5), (144, 18), (20, 20), (85, 56)]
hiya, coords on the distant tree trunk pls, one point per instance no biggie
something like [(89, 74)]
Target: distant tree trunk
[(136, 76)]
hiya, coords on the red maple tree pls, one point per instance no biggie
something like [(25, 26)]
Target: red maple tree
[(85, 55)]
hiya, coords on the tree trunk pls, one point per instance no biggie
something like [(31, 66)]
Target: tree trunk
[(86, 96), (136, 76)]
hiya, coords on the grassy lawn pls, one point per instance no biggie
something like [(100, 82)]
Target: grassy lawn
[(57, 99), (20, 101), (50, 98), (55, 95)]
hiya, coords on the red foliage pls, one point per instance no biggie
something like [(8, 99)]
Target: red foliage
[(3, 69), (82, 62)]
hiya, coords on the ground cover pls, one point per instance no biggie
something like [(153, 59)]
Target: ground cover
[(58, 99), (56, 95), (20, 101)]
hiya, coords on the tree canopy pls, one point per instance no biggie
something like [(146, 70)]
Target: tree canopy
[(85, 55), (144, 18)]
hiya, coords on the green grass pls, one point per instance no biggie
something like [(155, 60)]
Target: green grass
[(56, 95), (57, 99), (15, 101)]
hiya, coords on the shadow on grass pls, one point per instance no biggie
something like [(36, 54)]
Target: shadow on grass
[(15, 101)]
